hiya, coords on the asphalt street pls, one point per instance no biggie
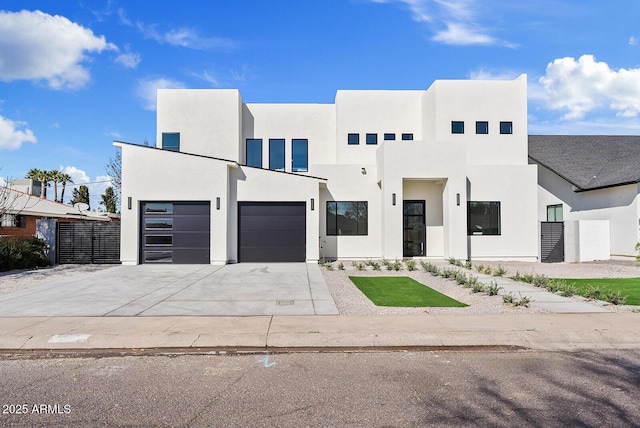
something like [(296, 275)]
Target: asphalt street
[(373, 389)]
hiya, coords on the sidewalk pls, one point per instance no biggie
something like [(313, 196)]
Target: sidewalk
[(323, 333)]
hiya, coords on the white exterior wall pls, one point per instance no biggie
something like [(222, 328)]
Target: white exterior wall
[(586, 240), (144, 180), (618, 205), (209, 121), (315, 122)]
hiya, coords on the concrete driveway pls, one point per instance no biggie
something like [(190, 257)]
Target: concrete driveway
[(180, 290)]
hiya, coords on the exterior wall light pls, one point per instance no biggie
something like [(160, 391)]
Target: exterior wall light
[(393, 198), (458, 199), (313, 204), (218, 202), (363, 171), (129, 202)]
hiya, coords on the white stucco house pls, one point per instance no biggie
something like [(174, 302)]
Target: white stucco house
[(588, 186), (442, 172)]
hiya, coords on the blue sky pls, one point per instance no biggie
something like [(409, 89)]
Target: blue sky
[(76, 75)]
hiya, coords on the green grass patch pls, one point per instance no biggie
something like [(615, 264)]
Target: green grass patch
[(402, 291), (629, 287)]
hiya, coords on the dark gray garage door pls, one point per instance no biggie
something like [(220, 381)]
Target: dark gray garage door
[(175, 232), (271, 232)]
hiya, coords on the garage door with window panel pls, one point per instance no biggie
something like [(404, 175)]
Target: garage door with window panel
[(271, 232), (175, 232)]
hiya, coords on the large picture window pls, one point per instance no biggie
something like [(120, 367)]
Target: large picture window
[(299, 155), (483, 218), (347, 218), (276, 154), (254, 152)]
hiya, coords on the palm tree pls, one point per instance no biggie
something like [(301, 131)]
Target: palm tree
[(56, 177), (64, 180)]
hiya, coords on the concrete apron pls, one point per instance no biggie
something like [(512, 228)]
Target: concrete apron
[(179, 290)]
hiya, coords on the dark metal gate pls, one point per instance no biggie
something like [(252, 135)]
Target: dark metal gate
[(86, 242), (552, 241)]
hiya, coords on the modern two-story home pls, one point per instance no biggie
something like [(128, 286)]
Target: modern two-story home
[(441, 172)]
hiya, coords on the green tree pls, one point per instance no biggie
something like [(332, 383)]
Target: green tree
[(56, 177), (80, 195), (109, 200), (64, 180)]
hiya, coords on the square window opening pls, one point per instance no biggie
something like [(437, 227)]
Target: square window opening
[(457, 127), (483, 218)]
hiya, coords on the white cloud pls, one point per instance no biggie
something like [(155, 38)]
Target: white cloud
[(633, 41), (581, 86), (129, 59), (13, 134), (80, 177), (184, 37), (484, 74), (458, 17), (38, 46), (148, 88)]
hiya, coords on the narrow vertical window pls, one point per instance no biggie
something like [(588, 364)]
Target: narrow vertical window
[(171, 141), (254, 152), (506, 127), (276, 154), (299, 155), (457, 127)]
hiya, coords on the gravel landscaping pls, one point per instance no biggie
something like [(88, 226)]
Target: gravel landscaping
[(17, 280), (350, 301)]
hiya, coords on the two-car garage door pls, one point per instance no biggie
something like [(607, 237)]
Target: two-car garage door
[(179, 232)]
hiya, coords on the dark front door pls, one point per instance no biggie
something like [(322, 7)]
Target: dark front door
[(272, 232), (552, 241), (414, 229)]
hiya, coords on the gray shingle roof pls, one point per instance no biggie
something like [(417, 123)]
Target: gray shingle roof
[(589, 162)]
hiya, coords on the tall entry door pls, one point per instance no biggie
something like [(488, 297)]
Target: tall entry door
[(414, 229)]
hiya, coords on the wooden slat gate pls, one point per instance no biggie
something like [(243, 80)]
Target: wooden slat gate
[(86, 242), (552, 241)]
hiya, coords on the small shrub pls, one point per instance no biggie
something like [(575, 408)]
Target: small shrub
[(369, 262), (528, 278), (386, 263), (478, 287), (567, 290), (461, 278), (328, 266), (375, 266), (488, 270), (340, 266), (455, 262), (448, 273), (492, 289), (595, 292), (411, 265), (539, 280), (359, 266), (468, 265), (510, 299), (499, 271), (22, 253), (615, 297), (480, 268), (396, 265), (517, 276)]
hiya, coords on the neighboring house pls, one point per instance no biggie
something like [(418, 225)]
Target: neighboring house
[(591, 184), (441, 172)]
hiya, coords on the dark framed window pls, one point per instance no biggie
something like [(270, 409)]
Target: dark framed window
[(159, 240), (13, 220), (389, 137), (299, 155), (254, 152), (353, 139), (554, 212), (158, 256), (158, 223), (482, 127), (457, 127), (483, 218), (506, 127), (158, 208), (372, 138), (276, 154), (347, 218), (407, 137), (171, 141)]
